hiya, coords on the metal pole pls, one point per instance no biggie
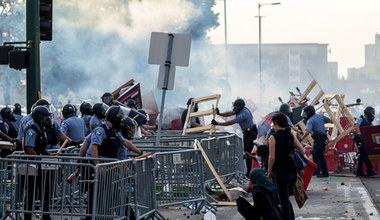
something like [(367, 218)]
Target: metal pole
[(225, 37), (165, 87), (259, 47), (33, 77)]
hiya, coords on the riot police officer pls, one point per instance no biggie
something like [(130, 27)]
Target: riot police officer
[(7, 130), (144, 126), (286, 110), (72, 126), (107, 98), (245, 119), (36, 143), (18, 115), (363, 121), (87, 113), (97, 119), (131, 104), (316, 126), (53, 131)]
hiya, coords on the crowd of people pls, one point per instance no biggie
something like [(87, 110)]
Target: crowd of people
[(105, 130)]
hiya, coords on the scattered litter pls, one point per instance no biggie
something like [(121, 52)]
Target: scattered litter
[(299, 218), (342, 184), (371, 213), (209, 216), (326, 188), (238, 189), (346, 211), (316, 205)]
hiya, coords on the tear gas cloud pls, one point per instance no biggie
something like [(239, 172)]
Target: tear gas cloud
[(99, 45)]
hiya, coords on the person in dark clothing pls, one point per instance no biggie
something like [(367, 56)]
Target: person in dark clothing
[(362, 121), (280, 168), (194, 121), (7, 130), (265, 199)]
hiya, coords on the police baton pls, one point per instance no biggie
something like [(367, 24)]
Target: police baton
[(61, 148)]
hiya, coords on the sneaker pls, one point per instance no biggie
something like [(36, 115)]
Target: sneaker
[(323, 175), (359, 173)]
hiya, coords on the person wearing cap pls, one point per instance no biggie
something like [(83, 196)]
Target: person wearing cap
[(363, 121), (245, 119)]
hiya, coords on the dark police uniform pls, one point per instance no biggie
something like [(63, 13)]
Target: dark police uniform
[(316, 125), (95, 122), (23, 124), (87, 119), (74, 128), (363, 156), (37, 138), (245, 119)]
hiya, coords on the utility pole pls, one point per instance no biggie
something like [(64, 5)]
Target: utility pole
[(33, 76)]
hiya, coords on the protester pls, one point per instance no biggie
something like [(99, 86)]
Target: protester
[(280, 168), (195, 122)]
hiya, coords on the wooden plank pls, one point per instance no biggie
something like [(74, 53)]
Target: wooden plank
[(7, 145), (294, 101), (345, 110), (201, 113), (374, 158), (189, 110), (339, 137), (303, 128), (220, 182), (198, 129), (317, 98), (222, 203), (116, 93), (307, 91), (332, 117), (206, 98), (312, 76)]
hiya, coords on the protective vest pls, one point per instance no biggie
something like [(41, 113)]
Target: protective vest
[(110, 145), (52, 135), (41, 141), (365, 122), (12, 132)]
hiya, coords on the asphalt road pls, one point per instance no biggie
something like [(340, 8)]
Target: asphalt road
[(335, 197)]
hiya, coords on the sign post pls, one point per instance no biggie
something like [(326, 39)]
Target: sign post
[(168, 50)]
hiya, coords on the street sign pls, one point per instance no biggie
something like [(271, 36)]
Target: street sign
[(161, 78), (159, 48)]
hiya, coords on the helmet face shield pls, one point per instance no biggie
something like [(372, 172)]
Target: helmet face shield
[(123, 112), (46, 120), (103, 109)]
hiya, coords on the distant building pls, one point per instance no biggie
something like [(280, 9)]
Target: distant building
[(364, 82)]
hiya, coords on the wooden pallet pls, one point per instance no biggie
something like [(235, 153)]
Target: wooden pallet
[(191, 114)]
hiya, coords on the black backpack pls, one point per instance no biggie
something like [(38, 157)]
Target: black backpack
[(267, 203)]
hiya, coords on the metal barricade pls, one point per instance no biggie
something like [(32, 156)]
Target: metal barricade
[(179, 180), (210, 146), (45, 186)]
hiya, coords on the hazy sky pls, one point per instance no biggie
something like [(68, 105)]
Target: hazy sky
[(346, 25)]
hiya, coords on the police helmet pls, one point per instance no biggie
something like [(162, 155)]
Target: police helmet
[(285, 108), (129, 129), (115, 115), (369, 111), (238, 105), (44, 102), (86, 108), (42, 116), (131, 103), (68, 110), (17, 109), (100, 110), (107, 98), (142, 111), (308, 111), (6, 114)]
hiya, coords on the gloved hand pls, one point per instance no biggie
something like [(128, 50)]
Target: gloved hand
[(73, 143), (217, 111), (214, 122)]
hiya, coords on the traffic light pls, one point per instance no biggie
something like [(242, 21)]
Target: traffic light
[(18, 59), (46, 20), (4, 50)]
